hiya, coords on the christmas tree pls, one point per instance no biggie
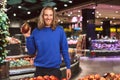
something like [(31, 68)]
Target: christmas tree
[(4, 27)]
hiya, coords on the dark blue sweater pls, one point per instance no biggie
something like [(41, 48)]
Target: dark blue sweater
[(49, 46)]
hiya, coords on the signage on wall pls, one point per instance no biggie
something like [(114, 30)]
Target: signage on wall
[(112, 29), (98, 29), (118, 29)]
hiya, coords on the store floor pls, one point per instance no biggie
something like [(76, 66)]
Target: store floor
[(98, 65)]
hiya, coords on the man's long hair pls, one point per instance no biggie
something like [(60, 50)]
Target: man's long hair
[(41, 22)]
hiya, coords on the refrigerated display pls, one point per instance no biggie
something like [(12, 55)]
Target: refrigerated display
[(105, 47)]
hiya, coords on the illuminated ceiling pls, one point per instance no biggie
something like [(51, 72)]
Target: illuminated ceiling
[(27, 9), (104, 10)]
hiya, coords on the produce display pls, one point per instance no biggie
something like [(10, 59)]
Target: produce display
[(72, 41), (106, 76), (20, 62)]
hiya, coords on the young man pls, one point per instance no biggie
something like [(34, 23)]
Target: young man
[(48, 41)]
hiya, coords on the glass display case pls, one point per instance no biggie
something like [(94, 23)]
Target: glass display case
[(105, 47), (109, 44)]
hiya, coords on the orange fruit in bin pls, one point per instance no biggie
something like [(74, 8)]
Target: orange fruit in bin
[(64, 79), (52, 77), (31, 79), (46, 77), (40, 78)]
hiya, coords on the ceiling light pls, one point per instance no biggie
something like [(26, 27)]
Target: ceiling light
[(113, 17), (111, 22), (61, 22), (28, 12), (78, 10), (55, 8), (100, 26), (65, 5), (106, 17), (93, 13), (19, 6), (94, 7), (14, 14), (78, 15), (70, 12), (58, 20), (97, 16), (70, 1), (101, 22), (87, 21), (116, 11), (74, 19), (97, 12), (69, 15)]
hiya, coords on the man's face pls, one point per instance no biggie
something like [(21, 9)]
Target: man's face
[(48, 17)]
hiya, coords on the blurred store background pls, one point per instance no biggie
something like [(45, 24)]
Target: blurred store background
[(92, 28)]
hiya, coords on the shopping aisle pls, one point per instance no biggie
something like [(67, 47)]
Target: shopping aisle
[(99, 65)]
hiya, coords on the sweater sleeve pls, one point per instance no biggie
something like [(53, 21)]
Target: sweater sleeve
[(30, 44), (64, 49)]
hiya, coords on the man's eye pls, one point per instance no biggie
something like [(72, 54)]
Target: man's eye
[(45, 14)]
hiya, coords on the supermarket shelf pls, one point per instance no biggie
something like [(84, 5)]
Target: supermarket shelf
[(18, 77), (21, 71), (18, 56)]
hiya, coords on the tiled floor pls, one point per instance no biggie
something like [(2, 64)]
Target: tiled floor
[(99, 65)]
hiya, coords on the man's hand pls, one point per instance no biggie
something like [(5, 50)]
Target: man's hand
[(26, 34), (68, 74)]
